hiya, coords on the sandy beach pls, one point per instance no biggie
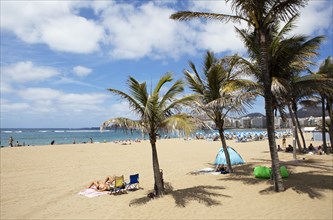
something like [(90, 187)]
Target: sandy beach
[(43, 183)]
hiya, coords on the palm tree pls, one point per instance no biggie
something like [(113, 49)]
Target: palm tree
[(260, 15), (218, 89), (326, 70), (156, 112), (289, 57)]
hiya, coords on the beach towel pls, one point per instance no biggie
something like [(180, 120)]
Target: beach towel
[(92, 193), (205, 170)]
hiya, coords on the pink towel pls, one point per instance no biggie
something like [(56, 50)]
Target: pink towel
[(92, 193)]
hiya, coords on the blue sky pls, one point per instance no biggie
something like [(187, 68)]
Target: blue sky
[(58, 57)]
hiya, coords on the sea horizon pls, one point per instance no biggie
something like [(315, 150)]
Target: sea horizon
[(44, 136)]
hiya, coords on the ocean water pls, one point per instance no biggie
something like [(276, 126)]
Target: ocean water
[(36, 137)]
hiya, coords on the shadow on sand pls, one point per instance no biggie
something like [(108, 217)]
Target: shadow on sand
[(201, 194), (310, 182)]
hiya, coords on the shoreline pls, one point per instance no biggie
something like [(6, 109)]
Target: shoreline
[(39, 137)]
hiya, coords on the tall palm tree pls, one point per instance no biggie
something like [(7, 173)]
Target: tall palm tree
[(260, 15), (326, 70), (219, 89), (289, 57), (156, 112)]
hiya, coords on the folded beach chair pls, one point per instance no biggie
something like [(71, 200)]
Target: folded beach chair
[(134, 182), (119, 185)]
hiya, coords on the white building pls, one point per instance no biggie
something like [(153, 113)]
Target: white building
[(245, 122), (258, 122)]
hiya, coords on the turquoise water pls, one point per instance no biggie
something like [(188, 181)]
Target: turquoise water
[(35, 137)]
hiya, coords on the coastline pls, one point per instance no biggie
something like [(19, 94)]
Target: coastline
[(43, 182), (39, 137)]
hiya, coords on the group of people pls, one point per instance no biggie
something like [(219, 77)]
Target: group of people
[(286, 149), (17, 144), (316, 150), (310, 148), (127, 142)]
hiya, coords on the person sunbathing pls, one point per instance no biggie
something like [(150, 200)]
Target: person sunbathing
[(103, 186), (221, 168)]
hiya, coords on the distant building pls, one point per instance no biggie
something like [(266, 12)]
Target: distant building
[(245, 122), (258, 122)]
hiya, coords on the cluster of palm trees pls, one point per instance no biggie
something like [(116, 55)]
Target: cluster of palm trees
[(276, 61)]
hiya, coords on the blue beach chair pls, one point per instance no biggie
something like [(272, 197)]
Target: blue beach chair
[(134, 182)]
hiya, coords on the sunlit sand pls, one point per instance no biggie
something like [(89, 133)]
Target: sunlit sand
[(43, 183)]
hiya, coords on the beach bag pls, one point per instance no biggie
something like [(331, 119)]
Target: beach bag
[(284, 172), (262, 172)]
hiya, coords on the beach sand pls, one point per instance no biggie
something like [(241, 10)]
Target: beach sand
[(43, 183)]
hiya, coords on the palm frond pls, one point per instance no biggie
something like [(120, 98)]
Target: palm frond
[(181, 122), (138, 91), (136, 106), (164, 79), (188, 15), (184, 101), (194, 82), (175, 90), (283, 10), (198, 78)]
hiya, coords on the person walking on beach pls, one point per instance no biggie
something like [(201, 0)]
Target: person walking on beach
[(284, 142), (10, 141)]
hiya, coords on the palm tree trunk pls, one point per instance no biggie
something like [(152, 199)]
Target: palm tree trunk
[(293, 119), (278, 186), (330, 113), (158, 185), (323, 127), (301, 132), (224, 145)]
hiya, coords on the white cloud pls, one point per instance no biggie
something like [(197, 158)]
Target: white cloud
[(82, 71), (5, 87), (39, 94), (120, 109), (53, 23), (147, 30), (83, 99), (144, 31), (51, 100), (220, 7), (26, 71), (6, 106), (134, 31), (219, 37), (72, 34), (315, 18)]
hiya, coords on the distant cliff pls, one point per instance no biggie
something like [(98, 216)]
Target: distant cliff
[(306, 112)]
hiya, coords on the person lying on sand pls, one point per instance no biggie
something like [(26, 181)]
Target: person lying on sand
[(221, 168), (102, 186)]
